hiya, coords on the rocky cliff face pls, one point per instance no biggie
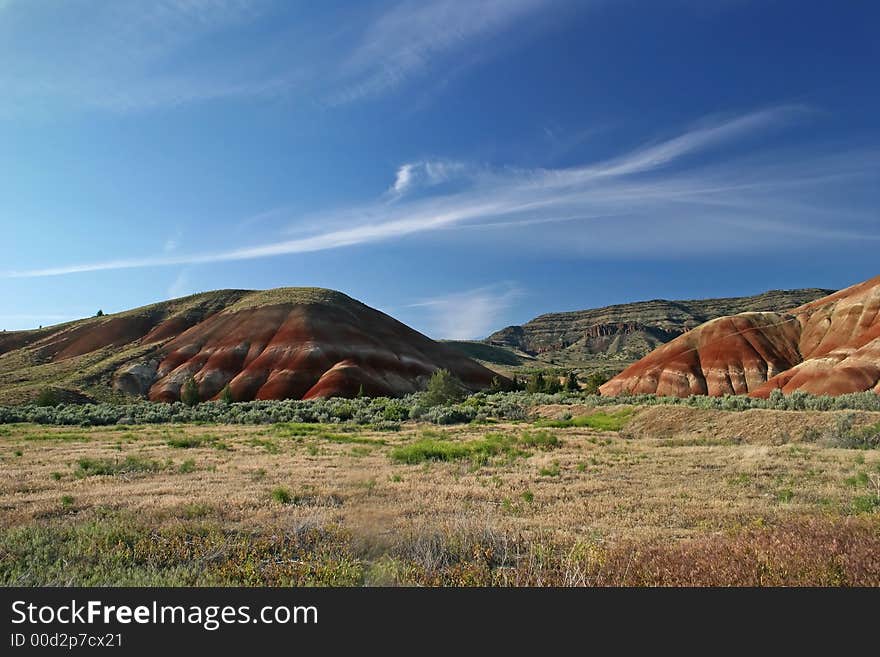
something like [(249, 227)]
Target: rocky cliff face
[(827, 346), (627, 332), (279, 344)]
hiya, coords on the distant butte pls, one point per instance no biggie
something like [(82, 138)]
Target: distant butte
[(830, 346)]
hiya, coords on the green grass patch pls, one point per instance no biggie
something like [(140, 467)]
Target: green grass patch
[(269, 445), (865, 503), (189, 442), (785, 495), (493, 444), (600, 421), (195, 510), (539, 439), (281, 495), (88, 467), (107, 548), (187, 466), (63, 436), (351, 440), (297, 429)]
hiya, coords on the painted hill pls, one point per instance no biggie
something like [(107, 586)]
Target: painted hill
[(827, 346), (621, 334), (275, 344)]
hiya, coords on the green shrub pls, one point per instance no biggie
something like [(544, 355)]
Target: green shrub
[(444, 388), (843, 434), (281, 495), (509, 406), (188, 442), (47, 397), (189, 393), (187, 466), (594, 380)]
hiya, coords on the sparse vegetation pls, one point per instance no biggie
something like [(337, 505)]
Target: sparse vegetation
[(845, 435), (88, 467), (189, 393), (128, 551), (674, 494)]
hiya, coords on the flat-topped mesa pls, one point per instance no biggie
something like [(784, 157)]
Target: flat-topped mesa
[(626, 332), (828, 346), (285, 343)]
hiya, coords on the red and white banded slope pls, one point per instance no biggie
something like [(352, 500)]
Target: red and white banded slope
[(828, 346), (287, 343)]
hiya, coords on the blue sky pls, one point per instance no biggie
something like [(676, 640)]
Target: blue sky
[(461, 165)]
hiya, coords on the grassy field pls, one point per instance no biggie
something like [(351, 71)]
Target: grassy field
[(576, 496)]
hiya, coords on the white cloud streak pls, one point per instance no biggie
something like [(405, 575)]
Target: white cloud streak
[(427, 173), (646, 200), (130, 55), (470, 314), (403, 41)]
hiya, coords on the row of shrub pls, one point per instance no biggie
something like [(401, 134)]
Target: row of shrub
[(389, 411)]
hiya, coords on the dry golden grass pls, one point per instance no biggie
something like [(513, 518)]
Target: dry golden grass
[(608, 488)]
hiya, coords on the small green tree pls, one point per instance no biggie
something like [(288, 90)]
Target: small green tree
[(496, 385), (444, 388), (100, 313), (596, 379), (226, 395), (189, 393), (571, 383), (47, 397), (536, 383), (552, 385)]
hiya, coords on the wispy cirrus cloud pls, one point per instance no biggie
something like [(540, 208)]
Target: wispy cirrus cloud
[(468, 314), (130, 55), (120, 56), (428, 173), (652, 200), (403, 41)]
